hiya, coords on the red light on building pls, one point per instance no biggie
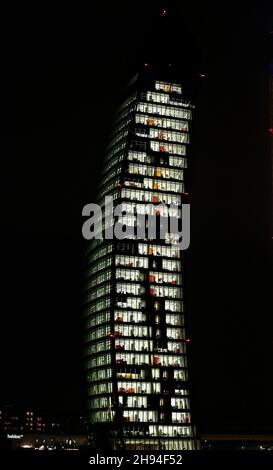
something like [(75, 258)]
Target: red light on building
[(163, 12), (187, 340), (271, 130), (146, 65), (202, 75), (185, 194)]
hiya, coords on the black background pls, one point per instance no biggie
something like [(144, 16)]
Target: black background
[(64, 75)]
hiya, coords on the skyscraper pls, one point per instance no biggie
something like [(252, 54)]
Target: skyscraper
[(135, 309), (135, 316)]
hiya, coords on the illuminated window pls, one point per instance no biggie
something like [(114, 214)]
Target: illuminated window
[(174, 306), (165, 110), (168, 147), (168, 87)]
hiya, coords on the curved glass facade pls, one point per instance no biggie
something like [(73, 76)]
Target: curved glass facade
[(135, 333)]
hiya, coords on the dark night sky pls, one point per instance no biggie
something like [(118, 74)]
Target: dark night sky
[(63, 85)]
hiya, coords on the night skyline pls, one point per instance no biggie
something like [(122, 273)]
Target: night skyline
[(52, 163)]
